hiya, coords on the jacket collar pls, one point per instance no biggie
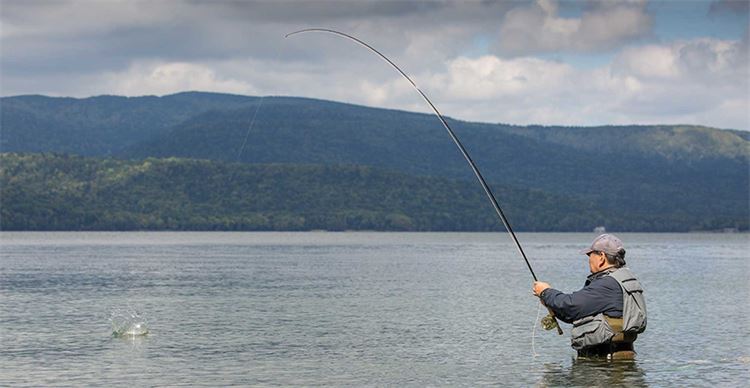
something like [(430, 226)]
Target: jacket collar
[(600, 274)]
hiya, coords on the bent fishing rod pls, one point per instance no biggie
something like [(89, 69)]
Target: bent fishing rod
[(452, 134)]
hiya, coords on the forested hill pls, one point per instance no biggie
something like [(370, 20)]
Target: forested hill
[(643, 169), (100, 125), (62, 192), (655, 173)]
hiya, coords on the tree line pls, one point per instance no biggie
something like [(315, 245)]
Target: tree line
[(67, 192)]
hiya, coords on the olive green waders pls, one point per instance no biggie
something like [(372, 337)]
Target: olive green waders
[(620, 347)]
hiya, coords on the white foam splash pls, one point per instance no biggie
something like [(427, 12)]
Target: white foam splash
[(128, 323)]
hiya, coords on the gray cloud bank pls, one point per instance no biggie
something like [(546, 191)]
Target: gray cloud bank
[(483, 60)]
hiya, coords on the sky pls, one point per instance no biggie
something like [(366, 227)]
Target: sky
[(544, 62)]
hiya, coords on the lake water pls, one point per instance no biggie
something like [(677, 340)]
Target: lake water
[(353, 309)]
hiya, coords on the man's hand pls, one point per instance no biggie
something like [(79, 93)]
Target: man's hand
[(539, 287)]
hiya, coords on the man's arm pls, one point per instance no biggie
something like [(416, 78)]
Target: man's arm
[(601, 296)]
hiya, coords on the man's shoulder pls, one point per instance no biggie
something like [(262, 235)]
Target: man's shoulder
[(623, 274), (608, 282)]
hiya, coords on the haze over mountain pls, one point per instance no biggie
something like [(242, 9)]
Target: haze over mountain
[(655, 173)]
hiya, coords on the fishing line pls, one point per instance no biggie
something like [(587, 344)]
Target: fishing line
[(533, 331), (255, 114), (250, 128), (474, 168)]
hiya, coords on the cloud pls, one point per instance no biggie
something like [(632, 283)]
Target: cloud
[(480, 60), (167, 78), (647, 62), (700, 81), (539, 27), (75, 32), (491, 77), (696, 80), (703, 61), (741, 7), (523, 90)]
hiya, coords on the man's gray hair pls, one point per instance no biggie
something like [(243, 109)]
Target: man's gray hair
[(617, 260)]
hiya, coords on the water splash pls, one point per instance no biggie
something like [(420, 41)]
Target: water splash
[(128, 323)]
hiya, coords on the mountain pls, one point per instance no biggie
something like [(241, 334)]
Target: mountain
[(641, 170), (63, 192), (100, 125), (652, 175)]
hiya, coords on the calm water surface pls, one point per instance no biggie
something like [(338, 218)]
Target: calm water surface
[(354, 309)]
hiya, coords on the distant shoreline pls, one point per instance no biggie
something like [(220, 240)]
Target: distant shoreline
[(165, 231)]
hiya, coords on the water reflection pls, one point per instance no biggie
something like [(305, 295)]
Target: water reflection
[(593, 373)]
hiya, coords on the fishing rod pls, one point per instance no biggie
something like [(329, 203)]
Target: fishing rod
[(453, 136)]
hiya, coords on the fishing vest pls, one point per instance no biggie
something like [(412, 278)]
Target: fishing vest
[(596, 330)]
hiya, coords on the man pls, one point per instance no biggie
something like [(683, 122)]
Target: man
[(609, 312)]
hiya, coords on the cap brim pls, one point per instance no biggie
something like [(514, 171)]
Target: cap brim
[(586, 251)]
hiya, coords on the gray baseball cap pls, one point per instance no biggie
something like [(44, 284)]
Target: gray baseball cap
[(604, 243)]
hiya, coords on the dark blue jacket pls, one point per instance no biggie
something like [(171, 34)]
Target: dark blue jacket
[(600, 294)]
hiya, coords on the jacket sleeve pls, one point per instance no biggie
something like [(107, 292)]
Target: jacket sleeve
[(601, 296)]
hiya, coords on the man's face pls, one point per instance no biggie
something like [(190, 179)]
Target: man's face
[(596, 260)]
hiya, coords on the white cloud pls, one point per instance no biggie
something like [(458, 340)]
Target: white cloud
[(375, 94), (700, 81), (539, 27), (697, 81), (718, 63), (522, 90), (696, 60), (694, 82), (492, 77), (651, 61), (166, 78), (83, 48)]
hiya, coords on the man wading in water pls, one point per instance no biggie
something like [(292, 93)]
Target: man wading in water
[(609, 312)]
